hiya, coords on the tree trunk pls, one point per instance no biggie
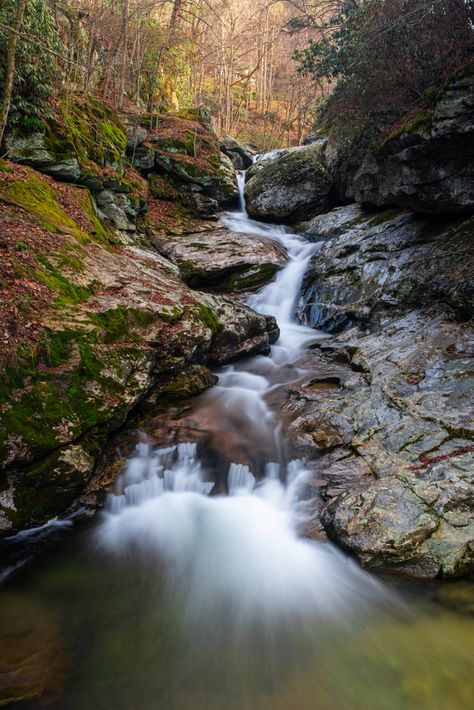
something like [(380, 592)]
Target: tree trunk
[(10, 68), (123, 64)]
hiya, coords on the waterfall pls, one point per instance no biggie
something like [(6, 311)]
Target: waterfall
[(239, 551)]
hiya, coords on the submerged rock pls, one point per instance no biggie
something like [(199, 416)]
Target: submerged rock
[(290, 188), (220, 260)]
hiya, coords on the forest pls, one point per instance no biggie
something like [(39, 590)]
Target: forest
[(262, 68)]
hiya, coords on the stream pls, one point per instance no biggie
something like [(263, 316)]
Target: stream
[(194, 588)]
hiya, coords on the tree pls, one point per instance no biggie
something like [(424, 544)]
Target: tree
[(35, 54), (10, 67), (387, 57)]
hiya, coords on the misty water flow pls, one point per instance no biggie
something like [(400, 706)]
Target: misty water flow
[(195, 589)]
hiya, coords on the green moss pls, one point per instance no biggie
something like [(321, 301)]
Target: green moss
[(209, 318), (67, 292), (4, 167), (423, 120), (63, 390), (119, 324), (100, 232), (88, 130), (34, 195)]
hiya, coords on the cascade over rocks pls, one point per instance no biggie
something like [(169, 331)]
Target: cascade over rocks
[(241, 154), (106, 327)]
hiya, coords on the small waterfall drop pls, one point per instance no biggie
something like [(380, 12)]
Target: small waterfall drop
[(240, 552)]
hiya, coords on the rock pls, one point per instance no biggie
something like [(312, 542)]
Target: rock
[(424, 165), (136, 136), (240, 333), (424, 528), (290, 188), (394, 452), (391, 442), (184, 150), (334, 223), (220, 260), (383, 262), (32, 150), (118, 209), (241, 154), (111, 326)]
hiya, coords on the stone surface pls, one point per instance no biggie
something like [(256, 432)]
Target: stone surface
[(378, 263), (426, 167), (289, 188), (241, 154), (393, 445), (220, 260), (32, 150), (392, 442)]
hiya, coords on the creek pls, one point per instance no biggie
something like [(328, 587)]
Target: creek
[(195, 587)]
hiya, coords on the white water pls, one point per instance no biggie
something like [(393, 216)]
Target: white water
[(238, 552)]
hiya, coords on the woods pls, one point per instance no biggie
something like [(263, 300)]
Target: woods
[(154, 55), (261, 68)]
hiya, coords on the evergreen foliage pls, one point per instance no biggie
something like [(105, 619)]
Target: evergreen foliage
[(36, 65)]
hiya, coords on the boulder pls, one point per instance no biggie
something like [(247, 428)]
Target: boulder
[(377, 263), (184, 150), (423, 165), (220, 260), (290, 188), (393, 445), (33, 150)]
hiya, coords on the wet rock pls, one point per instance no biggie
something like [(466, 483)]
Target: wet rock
[(290, 188), (334, 223), (224, 261), (394, 452), (378, 263), (424, 166), (241, 154)]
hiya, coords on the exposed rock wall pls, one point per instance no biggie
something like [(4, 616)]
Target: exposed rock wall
[(390, 428)]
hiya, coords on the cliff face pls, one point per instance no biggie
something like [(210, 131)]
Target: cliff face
[(93, 320), (424, 164)]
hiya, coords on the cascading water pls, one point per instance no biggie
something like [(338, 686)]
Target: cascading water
[(197, 591), (239, 551)]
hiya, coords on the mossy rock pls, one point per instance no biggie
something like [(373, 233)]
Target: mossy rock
[(290, 188), (87, 129)]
